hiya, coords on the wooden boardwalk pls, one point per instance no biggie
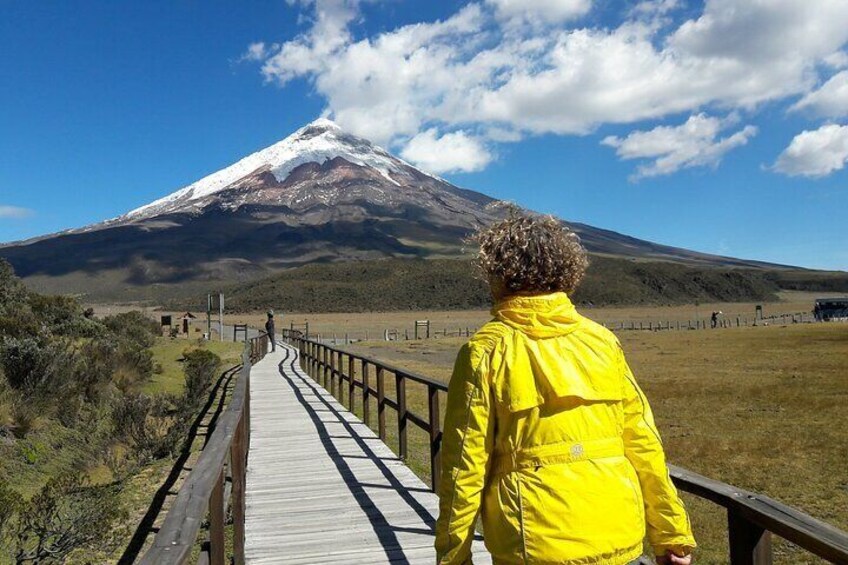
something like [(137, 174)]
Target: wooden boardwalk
[(321, 486)]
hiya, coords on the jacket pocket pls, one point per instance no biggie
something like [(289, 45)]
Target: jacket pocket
[(503, 525)]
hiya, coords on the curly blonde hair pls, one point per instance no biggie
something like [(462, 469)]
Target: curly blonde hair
[(531, 254)]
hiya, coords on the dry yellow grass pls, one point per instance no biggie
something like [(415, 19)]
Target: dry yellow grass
[(355, 325), (760, 408)]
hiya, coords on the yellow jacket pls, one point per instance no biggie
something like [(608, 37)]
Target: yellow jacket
[(548, 433)]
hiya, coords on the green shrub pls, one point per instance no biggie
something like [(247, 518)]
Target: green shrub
[(67, 514), (10, 502), (55, 311), (13, 293), (200, 367), (24, 361), (80, 327), (31, 451), (38, 372), (133, 326), (145, 421), (94, 367)]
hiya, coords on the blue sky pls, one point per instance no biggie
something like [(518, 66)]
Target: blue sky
[(718, 126)]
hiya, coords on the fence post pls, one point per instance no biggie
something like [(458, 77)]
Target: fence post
[(216, 521), (381, 404), (351, 390), (333, 371), (400, 390), (749, 543), (366, 409), (435, 438), (325, 366), (238, 459)]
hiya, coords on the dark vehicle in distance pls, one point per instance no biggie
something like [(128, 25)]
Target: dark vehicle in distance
[(831, 309)]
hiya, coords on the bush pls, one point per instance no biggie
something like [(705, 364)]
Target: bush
[(133, 326), (55, 311), (38, 372), (201, 367), (24, 361), (134, 361), (13, 293), (94, 367), (24, 414), (67, 514), (80, 327), (144, 420), (9, 503)]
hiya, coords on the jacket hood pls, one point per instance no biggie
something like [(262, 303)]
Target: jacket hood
[(538, 316), (537, 366)]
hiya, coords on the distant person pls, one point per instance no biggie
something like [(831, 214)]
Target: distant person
[(546, 431), (714, 320), (269, 329)]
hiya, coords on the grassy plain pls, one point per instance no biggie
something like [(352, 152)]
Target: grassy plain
[(355, 325), (761, 408)]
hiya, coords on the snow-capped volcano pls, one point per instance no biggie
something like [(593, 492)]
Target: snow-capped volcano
[(318, 142), (320, 194)]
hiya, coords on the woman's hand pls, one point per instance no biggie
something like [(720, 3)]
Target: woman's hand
[(671, 559)]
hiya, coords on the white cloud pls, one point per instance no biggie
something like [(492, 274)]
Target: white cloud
[(452, 152), (540, 11), (815, 153), (654, 7), (477, 70), (837, 60), (255, 52), (307, 53), (15, 212), (671, 148), (831, 100)]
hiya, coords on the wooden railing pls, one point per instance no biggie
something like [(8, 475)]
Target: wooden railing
[(223, 458), (751, 517)]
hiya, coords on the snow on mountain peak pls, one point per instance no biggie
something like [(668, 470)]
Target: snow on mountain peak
[(324, 123), (317, 142)]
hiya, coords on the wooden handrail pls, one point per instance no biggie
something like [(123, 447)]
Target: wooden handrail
[(203, 490), (752, 518)]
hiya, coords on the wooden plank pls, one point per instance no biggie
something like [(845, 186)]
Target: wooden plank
[(435, 433), (238, 456), (400, 388), (321, 486), (216, 522), (381, 403)]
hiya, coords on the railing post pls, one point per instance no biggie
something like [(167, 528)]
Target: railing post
[(400, 390), (216, 522), (325, 365), (334, 372), (351, 391), (341, 374), (366, 406), (749, 543), (381, 404), (435, 437), (238, 458)]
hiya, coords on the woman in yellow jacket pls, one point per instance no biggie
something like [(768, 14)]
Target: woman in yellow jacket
[(546, 431)]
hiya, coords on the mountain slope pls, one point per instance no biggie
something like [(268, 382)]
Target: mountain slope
[(320, 195)]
